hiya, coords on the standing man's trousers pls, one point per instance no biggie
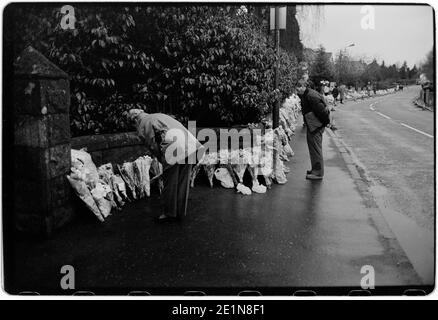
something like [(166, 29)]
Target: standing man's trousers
[(175, 195), (314, 142)]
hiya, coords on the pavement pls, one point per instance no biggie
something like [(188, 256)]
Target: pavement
[(308, 235)]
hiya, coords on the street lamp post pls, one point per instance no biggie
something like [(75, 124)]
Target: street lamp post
[(344, 49), (276, 109), (278, 21)]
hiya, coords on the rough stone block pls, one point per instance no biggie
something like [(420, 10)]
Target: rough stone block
[(30, 163), (42, 164), (58, 129), (30, 197), (55, 96), (30, 131), (58, 159), (96, 156), (27, 97), (32, 64), (91, 143), (122, 139), (41, 97), (41, 131), (42, 206), (120, 155), (106, 141), (59, 191), (41, 143)]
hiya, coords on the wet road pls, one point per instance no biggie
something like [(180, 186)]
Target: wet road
[(399, 157), (393, 142)]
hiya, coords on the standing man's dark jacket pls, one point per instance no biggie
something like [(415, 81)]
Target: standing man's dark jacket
[(312, 101)]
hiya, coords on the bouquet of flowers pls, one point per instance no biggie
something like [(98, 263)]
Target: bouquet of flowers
[(141, 168), (209, 162), (127, 173)]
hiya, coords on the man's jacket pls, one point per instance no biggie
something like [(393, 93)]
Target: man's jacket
[(342, 90), (312, 101), (163, 136)]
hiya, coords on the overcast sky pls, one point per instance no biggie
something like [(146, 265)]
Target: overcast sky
[(401, 32)]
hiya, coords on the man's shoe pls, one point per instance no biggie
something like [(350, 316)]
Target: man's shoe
[(313, 176)]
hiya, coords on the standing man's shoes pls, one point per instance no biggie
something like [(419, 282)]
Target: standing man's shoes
[(312, 176)]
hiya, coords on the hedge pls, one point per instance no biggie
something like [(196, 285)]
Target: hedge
[(212, 64)]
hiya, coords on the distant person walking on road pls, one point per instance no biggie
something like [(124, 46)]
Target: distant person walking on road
[(335, 93), (316, 116), (342, 90)]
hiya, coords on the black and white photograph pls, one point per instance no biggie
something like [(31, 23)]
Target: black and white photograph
[(218, 149)]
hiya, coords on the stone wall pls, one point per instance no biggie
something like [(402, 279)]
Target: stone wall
[(119, 147), (41, 144), (114, 148)]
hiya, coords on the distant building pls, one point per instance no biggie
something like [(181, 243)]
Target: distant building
[(358, 66)]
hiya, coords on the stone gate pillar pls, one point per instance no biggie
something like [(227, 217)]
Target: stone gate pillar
[(41, 144)]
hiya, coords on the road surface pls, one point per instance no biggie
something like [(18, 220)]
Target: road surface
[(393, 141)]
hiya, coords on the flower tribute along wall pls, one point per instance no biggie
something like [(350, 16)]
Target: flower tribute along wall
[(106, 188), (124, 173), (228, 167)]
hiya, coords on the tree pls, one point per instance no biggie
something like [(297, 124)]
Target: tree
[(206, 63), (290, 38), (372, 72), (404, 71), (427, 67), (342, 67), (348, 71), (393, 72), (413, 73), (383, 70), (322, 67)]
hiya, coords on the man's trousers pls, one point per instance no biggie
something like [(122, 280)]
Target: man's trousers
[(175, 195), (314, 143)]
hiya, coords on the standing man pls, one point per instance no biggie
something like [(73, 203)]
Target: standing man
[(342, 93), (174, 146), (335, 93), (316, 116)]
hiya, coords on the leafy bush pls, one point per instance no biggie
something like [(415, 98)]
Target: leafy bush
[(206, 63)]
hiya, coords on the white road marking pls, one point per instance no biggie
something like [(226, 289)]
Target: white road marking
[(419, 131), (403, 124), (383, 115)]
